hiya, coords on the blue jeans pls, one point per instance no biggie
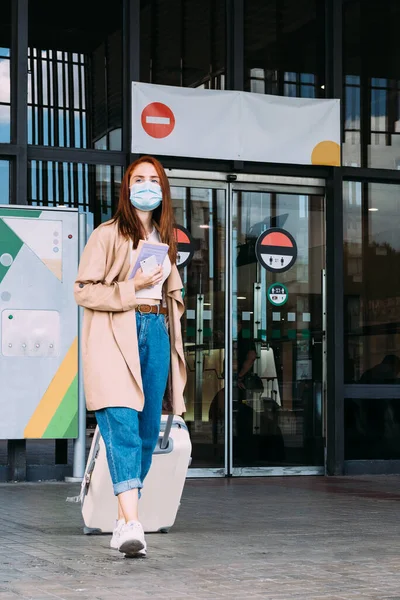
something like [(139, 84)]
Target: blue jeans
[(130, 436)]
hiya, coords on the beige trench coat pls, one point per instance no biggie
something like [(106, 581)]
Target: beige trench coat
[(109, 340)]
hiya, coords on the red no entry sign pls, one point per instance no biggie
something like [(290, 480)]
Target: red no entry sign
[(158, 120), (276, 250), (185, 245)]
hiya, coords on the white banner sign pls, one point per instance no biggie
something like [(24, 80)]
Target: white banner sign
[(230, 125)]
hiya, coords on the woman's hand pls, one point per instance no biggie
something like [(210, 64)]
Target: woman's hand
[(147, 280)]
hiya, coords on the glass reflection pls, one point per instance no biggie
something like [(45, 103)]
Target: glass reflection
[(202, 212), (4, 182), (372, 278), (75, 79), (372, 85), (5, 83), (56, 99), (4, 80), (372, 426), (272, 32), (91, 188), (277, 350), (182, 43)]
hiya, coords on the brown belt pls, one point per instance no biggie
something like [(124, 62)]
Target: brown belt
[(154, 309)]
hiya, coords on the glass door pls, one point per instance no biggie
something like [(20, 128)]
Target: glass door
[(254, 337), (277, 321), (200, 207)]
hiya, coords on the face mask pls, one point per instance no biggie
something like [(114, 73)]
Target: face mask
[(146, 195)]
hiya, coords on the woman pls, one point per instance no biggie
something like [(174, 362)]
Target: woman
[(126, 347)]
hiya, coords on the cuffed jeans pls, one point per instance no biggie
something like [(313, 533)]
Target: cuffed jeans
[(130, 436)]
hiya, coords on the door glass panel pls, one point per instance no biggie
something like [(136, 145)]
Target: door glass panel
[(277, 350), (202, 212)]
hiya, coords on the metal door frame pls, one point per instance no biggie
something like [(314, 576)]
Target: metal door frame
[(265, 183), (305, 186), (209, 181)]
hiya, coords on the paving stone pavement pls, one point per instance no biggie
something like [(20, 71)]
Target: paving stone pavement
[(301, 538)]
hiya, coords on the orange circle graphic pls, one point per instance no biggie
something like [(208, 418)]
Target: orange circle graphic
[(326, 153)]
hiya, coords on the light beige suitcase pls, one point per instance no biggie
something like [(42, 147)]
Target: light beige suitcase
[(162, 489)]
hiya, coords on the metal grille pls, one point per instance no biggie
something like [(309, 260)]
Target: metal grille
[(75, 99), (91, 188), (57, 98)]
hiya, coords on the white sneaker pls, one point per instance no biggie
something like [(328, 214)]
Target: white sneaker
[(131, 539), (114, 543)]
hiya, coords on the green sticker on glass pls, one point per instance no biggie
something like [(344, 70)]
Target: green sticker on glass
[(278, 294)]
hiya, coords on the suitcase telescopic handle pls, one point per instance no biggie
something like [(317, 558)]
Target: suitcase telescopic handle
[(167, 431)]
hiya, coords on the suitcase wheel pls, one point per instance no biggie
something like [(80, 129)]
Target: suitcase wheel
[(92, 531), (165, 530)]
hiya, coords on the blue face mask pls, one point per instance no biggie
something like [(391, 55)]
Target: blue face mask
[(146, 195)]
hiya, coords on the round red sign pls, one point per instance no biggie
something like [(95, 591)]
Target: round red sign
[(158, 120), (185, 245), (276, 250)]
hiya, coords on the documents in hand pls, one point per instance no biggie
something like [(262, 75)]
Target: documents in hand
[(146, 249)]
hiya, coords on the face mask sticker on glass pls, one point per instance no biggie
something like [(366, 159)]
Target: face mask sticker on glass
[(146, 195)]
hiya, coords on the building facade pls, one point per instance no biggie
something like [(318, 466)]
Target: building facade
[(329, 357)]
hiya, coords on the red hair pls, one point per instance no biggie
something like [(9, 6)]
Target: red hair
[(129, 224)]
